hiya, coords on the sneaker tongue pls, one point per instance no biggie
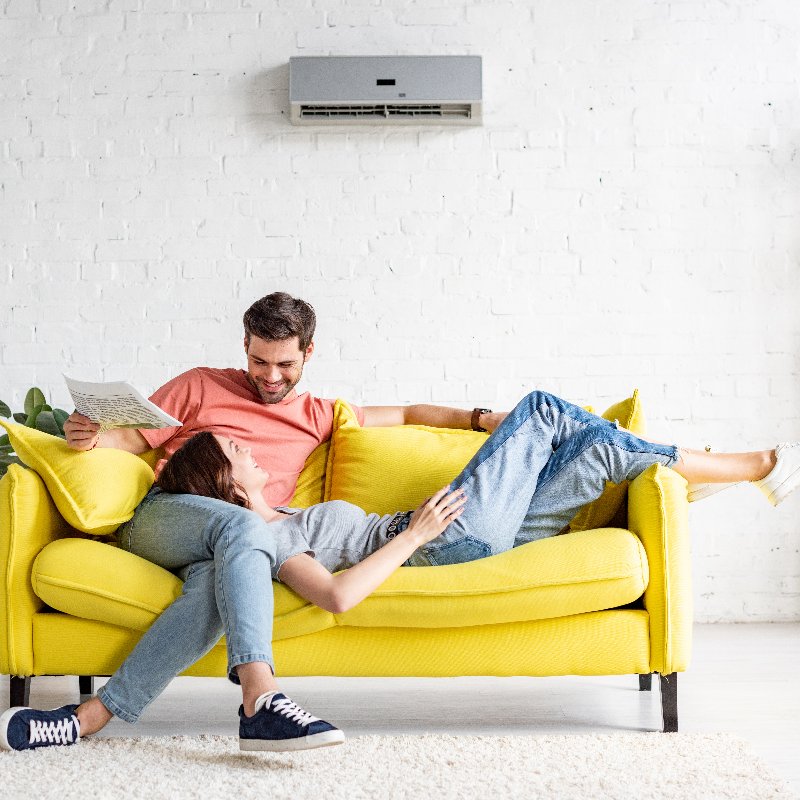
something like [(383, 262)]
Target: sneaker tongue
[(265, 699)]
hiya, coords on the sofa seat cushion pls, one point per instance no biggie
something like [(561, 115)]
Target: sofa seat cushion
[(99, 581), (561, 576)]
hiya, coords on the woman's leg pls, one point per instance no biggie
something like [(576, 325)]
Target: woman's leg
[(184, 632), (698, 466), (501, 478), (577, 473)]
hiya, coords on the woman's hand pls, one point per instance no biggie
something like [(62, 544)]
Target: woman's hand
[(435, 514)]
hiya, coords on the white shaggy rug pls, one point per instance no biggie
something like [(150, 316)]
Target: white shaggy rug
[(620, 766)]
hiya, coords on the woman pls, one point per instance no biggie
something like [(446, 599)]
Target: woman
[(544, 462)]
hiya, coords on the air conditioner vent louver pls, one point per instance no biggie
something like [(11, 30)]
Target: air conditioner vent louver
[(463, 110), (385, 90)]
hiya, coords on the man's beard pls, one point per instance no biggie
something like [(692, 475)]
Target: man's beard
[(270, 398)]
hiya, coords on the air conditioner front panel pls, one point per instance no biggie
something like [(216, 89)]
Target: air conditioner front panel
[(385, 89)]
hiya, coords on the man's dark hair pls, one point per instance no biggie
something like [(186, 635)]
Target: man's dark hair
[(279, 316)]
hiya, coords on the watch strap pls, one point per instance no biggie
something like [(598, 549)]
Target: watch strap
[(476, 416)]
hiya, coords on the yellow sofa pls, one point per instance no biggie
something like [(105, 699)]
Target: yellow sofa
[(605, 601)]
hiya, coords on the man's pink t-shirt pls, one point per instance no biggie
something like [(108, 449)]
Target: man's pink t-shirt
[(281, 435)]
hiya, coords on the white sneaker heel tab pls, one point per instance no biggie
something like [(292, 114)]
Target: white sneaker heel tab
[(784, 477)]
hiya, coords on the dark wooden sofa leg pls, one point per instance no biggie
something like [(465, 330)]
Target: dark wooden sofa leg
[(669, 701), (86, 686), (645, 682), (20, 694)]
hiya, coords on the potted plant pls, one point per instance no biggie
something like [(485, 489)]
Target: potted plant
[(36, 413)]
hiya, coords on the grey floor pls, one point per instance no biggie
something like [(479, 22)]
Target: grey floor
[(742, 680)]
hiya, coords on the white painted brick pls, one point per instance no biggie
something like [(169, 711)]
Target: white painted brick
[(127, 251), (581, 251)]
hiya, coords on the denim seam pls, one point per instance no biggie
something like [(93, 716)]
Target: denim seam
[(221, 599), (611, 444)]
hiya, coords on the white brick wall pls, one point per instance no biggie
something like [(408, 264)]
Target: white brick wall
[(627, 216)]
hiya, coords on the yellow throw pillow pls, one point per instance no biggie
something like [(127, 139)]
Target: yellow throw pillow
[(384, 470), (95, 491), (310, 487), (600, 512)]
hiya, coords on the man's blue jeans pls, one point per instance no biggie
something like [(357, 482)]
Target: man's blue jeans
[(547, 460), (224, 555)]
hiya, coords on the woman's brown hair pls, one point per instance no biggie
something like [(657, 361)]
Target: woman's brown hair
[(201, 467)]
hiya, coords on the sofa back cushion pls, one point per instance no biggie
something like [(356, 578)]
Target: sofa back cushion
[(383, 470), (95, 491)]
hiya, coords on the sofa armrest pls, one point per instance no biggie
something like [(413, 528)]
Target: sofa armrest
[(29, 520), (658, 513)]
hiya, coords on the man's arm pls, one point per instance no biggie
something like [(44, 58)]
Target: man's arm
[(435, 416), (83, 434)]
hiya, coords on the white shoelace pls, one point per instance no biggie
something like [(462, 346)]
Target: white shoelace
[(293, 711), (64, 731)]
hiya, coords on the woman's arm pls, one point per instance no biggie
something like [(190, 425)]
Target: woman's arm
[(340, 592)]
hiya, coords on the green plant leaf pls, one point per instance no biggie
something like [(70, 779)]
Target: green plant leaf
[(4, 440), (5, 411), (5, 461), (46, 423), (61, 417), (20, 417), (35, 397), (5, 449)]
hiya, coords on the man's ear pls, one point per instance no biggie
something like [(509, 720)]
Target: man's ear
[(246, 343), (309, 351)]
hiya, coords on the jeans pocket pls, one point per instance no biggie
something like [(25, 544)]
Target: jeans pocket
[(467, 548)]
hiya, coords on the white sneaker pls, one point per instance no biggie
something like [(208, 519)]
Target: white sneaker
[(785, 475), (699, 491)]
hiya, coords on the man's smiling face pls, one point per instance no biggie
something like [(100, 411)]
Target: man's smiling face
[(274, 368)]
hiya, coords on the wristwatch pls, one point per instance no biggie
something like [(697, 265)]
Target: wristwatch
[(476, 417)]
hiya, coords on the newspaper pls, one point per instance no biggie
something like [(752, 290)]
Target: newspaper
[(117, 404)]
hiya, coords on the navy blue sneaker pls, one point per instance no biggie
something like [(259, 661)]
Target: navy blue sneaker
[(279, 724), (26, 728)]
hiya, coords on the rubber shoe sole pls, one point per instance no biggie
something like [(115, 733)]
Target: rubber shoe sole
[(5, 718), (324, 739), (699, 491), (785, 475)]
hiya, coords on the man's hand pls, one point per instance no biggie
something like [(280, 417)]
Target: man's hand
[(81, 432), (435, 514), (491, 420)]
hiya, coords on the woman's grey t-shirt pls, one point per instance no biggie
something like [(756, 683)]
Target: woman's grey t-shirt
[(337, 534)]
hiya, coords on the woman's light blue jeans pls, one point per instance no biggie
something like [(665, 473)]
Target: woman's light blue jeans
[(225, 555), (543, 463)]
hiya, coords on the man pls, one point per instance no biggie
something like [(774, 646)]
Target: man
[(196, 537)]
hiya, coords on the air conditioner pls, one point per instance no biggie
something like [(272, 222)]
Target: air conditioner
[(385, 90)]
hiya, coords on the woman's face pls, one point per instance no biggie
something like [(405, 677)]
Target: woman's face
[(245, 470)]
